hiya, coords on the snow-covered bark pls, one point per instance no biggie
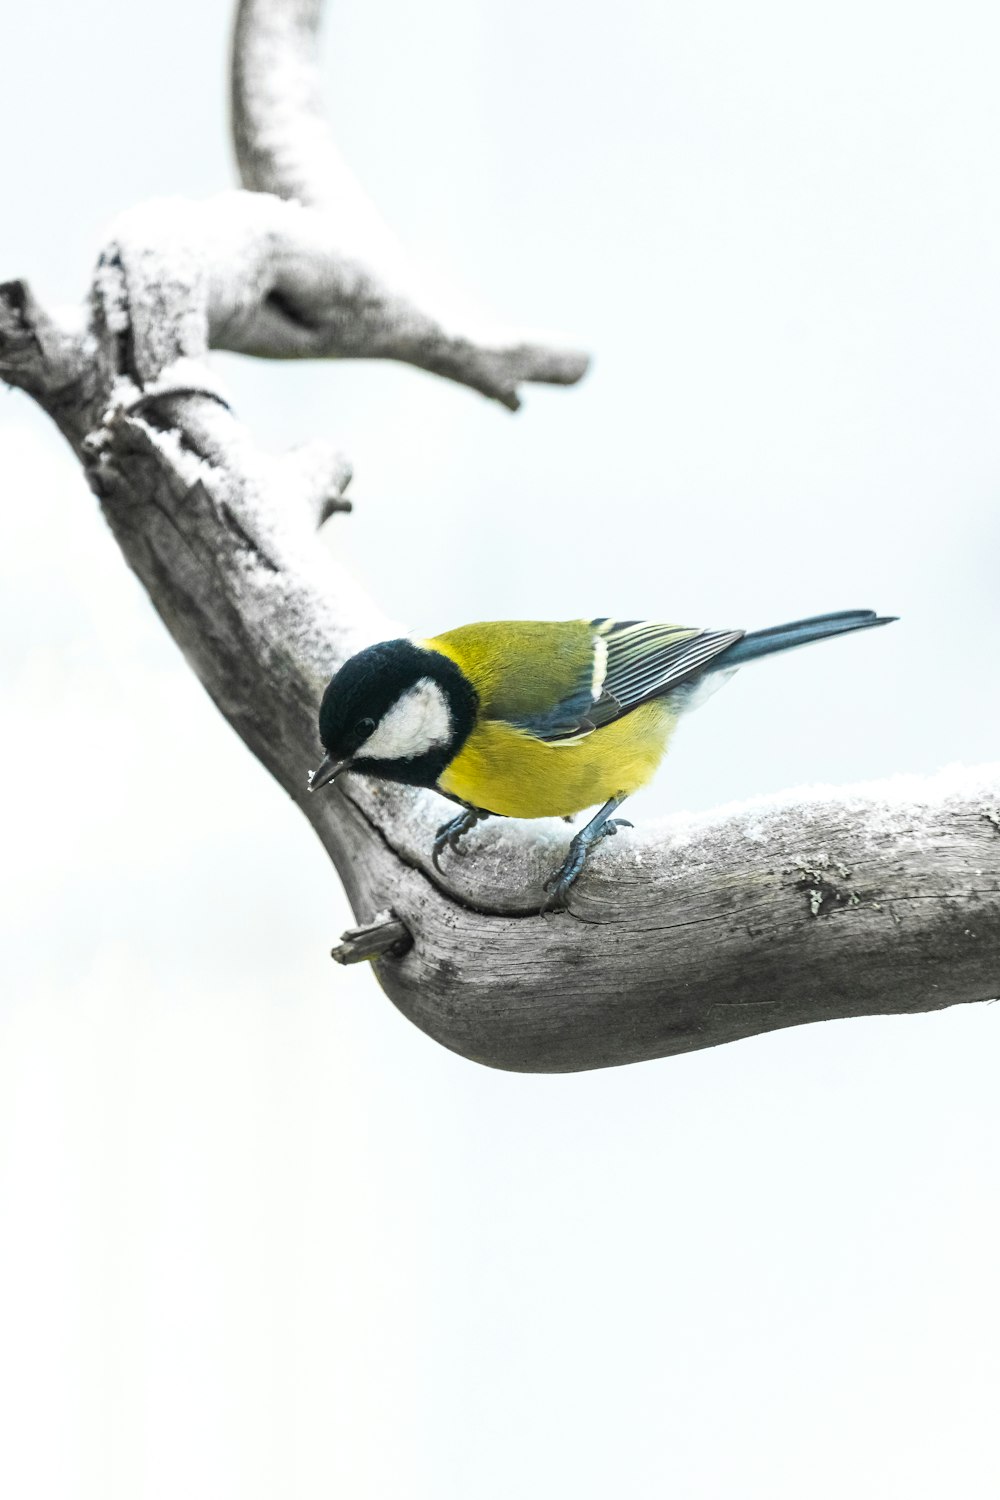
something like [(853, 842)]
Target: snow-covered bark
[(823, 904)]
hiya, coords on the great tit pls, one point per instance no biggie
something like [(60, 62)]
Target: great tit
[(534, 719)]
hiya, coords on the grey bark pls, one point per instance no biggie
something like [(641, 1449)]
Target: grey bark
[(861, 903)]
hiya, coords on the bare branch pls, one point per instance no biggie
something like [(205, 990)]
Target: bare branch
[(47, 361), (872, 902), (280, 133), (877, 901), (322, 304), (255, 275)]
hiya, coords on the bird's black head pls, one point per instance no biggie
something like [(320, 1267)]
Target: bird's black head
[(396, 710)]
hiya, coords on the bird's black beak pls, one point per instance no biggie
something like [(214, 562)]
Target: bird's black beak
[(325, 772)]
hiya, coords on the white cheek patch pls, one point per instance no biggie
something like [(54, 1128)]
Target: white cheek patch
[(419, 721)]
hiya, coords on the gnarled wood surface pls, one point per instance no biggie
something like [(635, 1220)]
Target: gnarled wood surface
[(884, 899)]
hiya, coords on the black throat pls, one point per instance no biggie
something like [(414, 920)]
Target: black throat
[(463, 705)]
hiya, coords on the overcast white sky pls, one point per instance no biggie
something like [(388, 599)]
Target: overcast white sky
[(258, 1236)]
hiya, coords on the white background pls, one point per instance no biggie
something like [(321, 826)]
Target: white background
[(258, 1237)]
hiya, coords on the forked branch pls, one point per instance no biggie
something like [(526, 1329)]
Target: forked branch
[(853, 903)]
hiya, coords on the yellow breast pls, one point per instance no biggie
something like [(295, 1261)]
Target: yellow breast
[(504, 770)]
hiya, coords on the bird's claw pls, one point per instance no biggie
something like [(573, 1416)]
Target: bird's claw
[(559, 883), (451, 833)]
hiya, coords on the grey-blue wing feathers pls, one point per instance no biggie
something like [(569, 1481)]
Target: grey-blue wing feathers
[(634, 661), (647, 660), (569, 717), (637, 660)]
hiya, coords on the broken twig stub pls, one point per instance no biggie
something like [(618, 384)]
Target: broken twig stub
[(384, 935)]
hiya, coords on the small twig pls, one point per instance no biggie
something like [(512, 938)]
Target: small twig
[(330, 506), (385, 934)]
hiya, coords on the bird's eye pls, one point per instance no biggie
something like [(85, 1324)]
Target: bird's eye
[(363, 728)]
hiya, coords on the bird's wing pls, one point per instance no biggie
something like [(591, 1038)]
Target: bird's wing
[(646, 660), (558, 680)]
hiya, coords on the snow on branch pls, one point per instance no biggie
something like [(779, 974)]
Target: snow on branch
[(256, 275), (827, 904)]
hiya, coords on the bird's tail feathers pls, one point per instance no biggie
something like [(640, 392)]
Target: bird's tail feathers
[(797, 633)]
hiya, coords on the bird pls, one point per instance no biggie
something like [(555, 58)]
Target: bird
[(536, 718)]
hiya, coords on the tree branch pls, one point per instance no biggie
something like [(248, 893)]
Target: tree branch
[(253, 274), (868, 902), (284, 147), (280, 133)]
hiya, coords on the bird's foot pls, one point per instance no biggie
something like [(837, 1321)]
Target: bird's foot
[(558, 885), (450, 834)]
